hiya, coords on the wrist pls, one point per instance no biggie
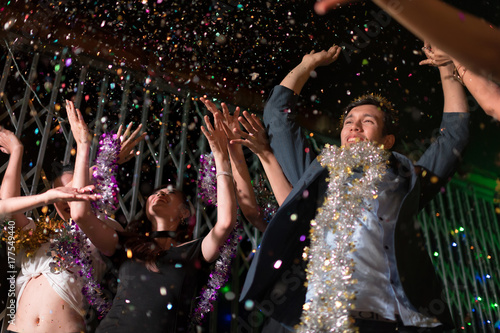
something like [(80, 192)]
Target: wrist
[(19, 148), (83, 144), (304, 69), (235, 149), (17, 151), (265, 154), (45, 198), (221, 155), (308, 66), (448, 67), (446, 71), (222, 163), (224, 173)]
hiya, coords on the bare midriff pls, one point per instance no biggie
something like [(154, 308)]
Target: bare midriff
[(41, 309)]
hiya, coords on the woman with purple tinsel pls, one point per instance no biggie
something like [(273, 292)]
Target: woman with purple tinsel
[(162, 267), (60, 257)]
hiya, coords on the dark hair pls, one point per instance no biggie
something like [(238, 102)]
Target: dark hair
[(137, 236), (391, 119), (57, 169)]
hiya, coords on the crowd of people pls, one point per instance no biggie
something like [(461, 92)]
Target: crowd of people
[(352, 221)]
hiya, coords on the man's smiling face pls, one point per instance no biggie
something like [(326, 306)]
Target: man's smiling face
[(365, 123)]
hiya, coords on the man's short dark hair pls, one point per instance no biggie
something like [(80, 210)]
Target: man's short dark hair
[(391, 119)]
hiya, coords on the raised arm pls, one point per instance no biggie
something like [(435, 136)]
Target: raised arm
[(244, 191), (15, 205), (226, 199), (454, 95), (486, 92), (11, 181), (288, 143), (467, 38), (440, 160), (128, 142), (102, 236), (298, 76), (255, 138)]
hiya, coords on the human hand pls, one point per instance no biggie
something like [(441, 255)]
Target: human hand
[(63, 193), (128, 142), (435, 57), (255, 137), (78, 126), (230, 121), (322, 58), (323, 6), (215, 134), (9, 141)]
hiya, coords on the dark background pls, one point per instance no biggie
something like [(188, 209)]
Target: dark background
[(237, 51)]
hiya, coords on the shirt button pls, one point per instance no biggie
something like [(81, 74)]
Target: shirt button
[(386, 247)]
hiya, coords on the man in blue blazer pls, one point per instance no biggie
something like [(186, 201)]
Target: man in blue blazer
[(398, 289)]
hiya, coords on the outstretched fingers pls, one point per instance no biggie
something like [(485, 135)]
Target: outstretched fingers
[(127, 131), (208, 124), (225, 111), (247, 122), (253, 120), (209, 105), (334, 52), (78, 126)]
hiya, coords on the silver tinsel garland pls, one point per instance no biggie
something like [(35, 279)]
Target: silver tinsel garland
[(330, 267)]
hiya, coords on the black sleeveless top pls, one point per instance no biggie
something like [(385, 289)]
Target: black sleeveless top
[(158, 302)]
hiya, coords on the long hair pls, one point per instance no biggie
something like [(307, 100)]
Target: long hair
[(139, 244)]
